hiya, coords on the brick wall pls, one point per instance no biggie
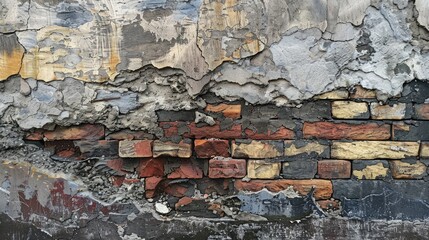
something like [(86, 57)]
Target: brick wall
[(228, 147)]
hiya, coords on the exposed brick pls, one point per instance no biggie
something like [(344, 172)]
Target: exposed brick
[(261, 169), (117, 180), (322, 188), (335, 131), (421, 111), (227, 168), (129, 135), (116, 164), (151, 184), (183, 202), (334, 169), (135, 148), (228, 110), (374, 150), (408, 170), (207, 148), (411, 131), (181, 149), (214, 131), (257, 149), (37, 135), (370, 169), (153, 167), (179, 189), (84, 132), (350, 110), (359, 92), (334, 95), (279, 134), (171, 129), (329, 204), (63, 149), (424, 152), (305, 149), (394, 112), (218, 186), (100, 148), (184, 168), (299, 169)]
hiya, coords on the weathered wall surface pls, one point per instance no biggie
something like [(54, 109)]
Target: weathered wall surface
[(156, 119)]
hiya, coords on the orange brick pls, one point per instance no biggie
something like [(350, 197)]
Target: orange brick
[(230, 111)]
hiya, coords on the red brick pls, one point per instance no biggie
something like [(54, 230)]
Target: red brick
[(213, 131), (322, 188), (84, 132), (186, 169), (281, 133), (227, 168), (178, 189), (150, 186), (63, 149), (207, 148), (135, 148), (183, 202), (334, 169), (117, 180), (153, 167), (116, 164), (37, 135), (422, 111), (228, 110), (335, 131)]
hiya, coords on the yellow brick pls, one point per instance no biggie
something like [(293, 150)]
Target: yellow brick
[(374, 150), (371, 172), (292, 149), (395, 112), (424, 152), (408, 170), (337, 94), (257, 149), (350, 110), (261, 169)]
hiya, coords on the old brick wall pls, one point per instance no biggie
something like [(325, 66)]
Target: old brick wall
[(214, 119)]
